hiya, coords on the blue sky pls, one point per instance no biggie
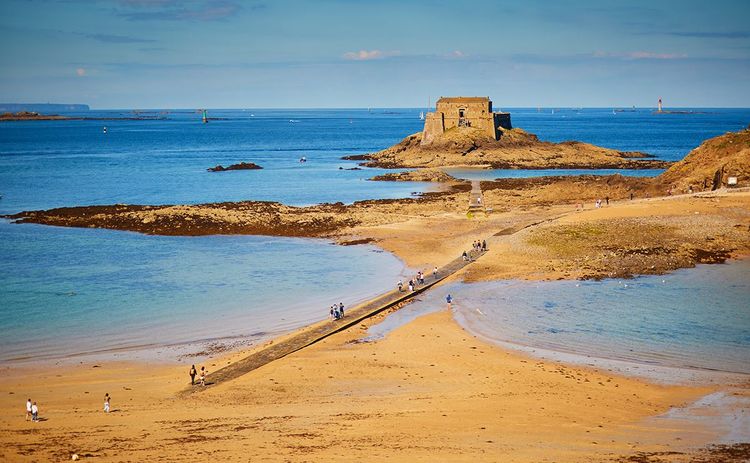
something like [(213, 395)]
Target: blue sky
[(335, 53)]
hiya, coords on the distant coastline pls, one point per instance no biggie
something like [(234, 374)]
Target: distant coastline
[(34, 116), (42, 107)]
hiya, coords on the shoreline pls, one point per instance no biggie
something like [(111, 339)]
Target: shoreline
[(342, 367), (216, 348), (426, 252)]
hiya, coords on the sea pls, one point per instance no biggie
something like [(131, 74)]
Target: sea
[(67, 293)]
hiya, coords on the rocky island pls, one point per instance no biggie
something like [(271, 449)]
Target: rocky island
[(239, 166), (464, 131)]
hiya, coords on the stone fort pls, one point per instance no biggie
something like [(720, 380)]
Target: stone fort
[(464, 111)]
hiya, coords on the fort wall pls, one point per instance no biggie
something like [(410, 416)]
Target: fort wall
[(458, 112)]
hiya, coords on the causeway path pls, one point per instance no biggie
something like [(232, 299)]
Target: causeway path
[(321, 330), (475, 197)]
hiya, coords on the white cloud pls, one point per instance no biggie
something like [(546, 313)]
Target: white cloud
[(366, 55)]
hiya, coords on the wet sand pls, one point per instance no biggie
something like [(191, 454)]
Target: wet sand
[(426, 391)]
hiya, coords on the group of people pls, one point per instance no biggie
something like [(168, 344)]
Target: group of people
[(32, 411), (337, 311), (201, 378), (416, 281), (477, 246)]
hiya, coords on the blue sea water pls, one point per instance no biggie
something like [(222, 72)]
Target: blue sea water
[(693, 318), (67, 291)]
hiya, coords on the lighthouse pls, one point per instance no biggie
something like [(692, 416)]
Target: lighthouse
[(658, 109)]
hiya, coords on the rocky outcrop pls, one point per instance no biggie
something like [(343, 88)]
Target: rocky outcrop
[(240, 166), (30, 116), (515, 149), (709, 165), (420, 175)]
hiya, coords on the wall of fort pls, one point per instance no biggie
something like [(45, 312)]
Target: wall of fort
[(475, 112)]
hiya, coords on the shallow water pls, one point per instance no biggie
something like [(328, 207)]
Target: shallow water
[(71, 291), (693, 318)]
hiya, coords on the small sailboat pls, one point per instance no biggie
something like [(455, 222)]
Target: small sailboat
[(421, 116), (205, 117)]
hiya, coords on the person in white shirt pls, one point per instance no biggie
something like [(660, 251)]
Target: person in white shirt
[(28, 409), (106, 402)]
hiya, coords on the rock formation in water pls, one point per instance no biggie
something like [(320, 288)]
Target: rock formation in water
[(514, 149), (240, 166)]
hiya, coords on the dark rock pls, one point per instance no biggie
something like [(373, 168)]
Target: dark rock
[(240, 166)]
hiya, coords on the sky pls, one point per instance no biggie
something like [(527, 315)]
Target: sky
[(388, 53)]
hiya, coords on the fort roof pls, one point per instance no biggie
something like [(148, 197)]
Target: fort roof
[(464, 99)]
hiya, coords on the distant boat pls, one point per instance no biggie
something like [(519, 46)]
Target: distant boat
[(293, 121), (421, 116), (104, 130)]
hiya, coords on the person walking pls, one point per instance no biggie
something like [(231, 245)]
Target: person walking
[(448, 299), (28, 410), (34, 412), (192, 374), (434, 273), (341, 309), (203, 376), (400, 286), (484, 245), (106, 402)]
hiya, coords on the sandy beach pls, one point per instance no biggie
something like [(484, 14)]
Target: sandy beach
[(429, 388)]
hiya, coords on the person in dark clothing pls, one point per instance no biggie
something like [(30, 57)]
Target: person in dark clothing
[(192, 374)]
